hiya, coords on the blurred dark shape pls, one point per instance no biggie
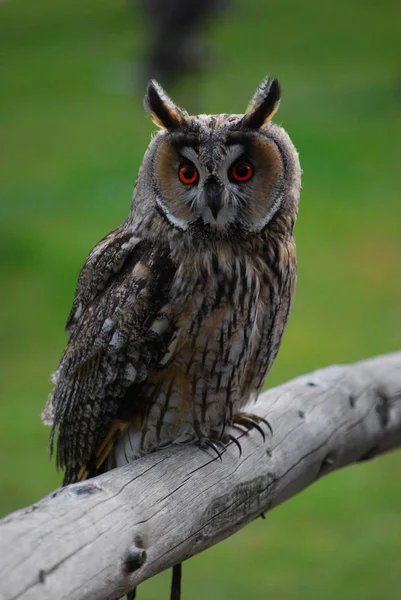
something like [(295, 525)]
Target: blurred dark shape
[(176, 47)]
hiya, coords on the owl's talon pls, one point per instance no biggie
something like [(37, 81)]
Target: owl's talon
[(249, 424), (131, 595), (250, 421), (266, 422), (244, 430), (212, 444), (258, 427), (236, 442)]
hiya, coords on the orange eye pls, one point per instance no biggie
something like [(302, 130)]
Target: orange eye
[(242, 170), (188, 174)]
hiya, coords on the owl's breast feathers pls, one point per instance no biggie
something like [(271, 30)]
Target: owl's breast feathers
[(171, 342)]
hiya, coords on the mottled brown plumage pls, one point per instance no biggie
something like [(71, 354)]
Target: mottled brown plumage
[(179, 312)]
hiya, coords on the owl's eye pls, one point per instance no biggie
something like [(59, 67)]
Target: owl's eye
[(188, 174), (242, 170)]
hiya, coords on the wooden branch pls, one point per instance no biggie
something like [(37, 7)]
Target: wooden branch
[(98, 539)]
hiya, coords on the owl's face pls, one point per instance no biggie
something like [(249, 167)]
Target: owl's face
[(221, 173)]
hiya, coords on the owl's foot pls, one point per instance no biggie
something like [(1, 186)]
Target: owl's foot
[(251, 421), (131, 595), (176, 582)]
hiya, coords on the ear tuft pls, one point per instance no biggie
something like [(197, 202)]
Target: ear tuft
[(164, 112), (263, 105)]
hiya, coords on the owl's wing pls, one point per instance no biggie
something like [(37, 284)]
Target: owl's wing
[(120, 328), (105, 260)]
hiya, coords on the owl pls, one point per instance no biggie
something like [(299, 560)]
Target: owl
[(179, 312)]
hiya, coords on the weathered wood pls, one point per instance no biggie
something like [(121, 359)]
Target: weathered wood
[(98, 539)]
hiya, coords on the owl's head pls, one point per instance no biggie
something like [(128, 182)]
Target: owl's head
[(220, 174)]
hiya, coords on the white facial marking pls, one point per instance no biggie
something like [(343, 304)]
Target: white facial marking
[(232, 154), (180, 223), (189, 153)]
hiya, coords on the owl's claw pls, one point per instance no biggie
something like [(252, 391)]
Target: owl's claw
[(266, 422), (249, 424), (131, 595), (258, 427), (213, 444), (236, 442), (249, 421)]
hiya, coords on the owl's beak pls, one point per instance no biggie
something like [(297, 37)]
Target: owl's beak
[(214, 193)]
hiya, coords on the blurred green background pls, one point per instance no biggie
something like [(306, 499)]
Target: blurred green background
[(73, 136)]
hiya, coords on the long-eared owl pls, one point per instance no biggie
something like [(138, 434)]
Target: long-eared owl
[(179, 312)]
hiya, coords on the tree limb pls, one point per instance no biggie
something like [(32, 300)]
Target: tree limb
[(98, 539)]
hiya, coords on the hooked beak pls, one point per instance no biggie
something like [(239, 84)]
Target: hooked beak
[(214, 193)]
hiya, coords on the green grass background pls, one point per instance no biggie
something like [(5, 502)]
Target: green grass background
[(73, 133)]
